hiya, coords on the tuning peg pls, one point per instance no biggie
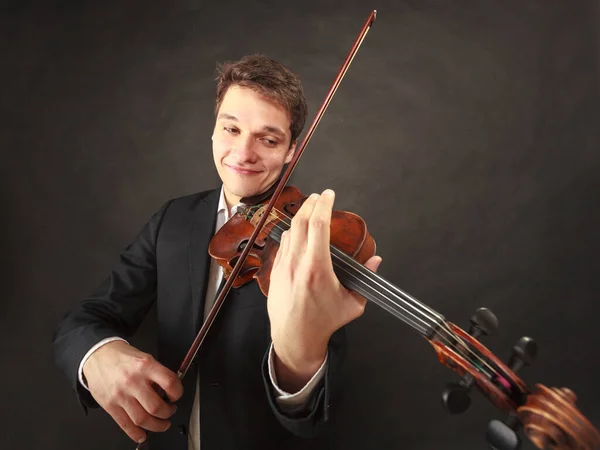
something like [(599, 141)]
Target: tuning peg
[(504, 435), (483, 322), (524, 352), (456, 398)]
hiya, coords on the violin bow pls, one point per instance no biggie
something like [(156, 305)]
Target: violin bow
[(282, 182), (222, 294)]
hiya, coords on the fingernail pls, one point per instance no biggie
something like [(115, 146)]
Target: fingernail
[(314, 196), (142, 439), (328, 192)]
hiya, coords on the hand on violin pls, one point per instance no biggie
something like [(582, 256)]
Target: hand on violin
[(306, 302), (121, 379)]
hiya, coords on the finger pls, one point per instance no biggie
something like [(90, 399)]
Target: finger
[(167, 381), (299, 229), (140, 417), (282, 250), (153, 403), (124, 421), (319, 227)]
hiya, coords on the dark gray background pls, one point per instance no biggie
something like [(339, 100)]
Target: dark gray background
[(466, 134)]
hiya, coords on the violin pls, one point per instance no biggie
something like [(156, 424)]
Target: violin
[(549, 416), (246, 247)]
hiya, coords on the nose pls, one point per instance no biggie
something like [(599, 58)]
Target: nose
[(244, 150)]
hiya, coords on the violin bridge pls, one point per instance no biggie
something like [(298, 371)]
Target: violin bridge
[(250, 211), (255, 214)]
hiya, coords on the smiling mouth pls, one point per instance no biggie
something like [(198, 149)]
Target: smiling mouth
[(242, 171)]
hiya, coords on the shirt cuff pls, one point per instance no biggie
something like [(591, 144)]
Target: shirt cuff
[(293, 402), (89, 353)]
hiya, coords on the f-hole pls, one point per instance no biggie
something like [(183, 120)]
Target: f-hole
[(243, 244), (295, 205)]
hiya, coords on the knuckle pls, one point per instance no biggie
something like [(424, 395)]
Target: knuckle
[(145, 360), (113, 403), (118, 394), (317, 222), (139, 420), (312, 275), (299, 221), (154, 408), (171, 383), (130, 379), (141, 364), (129, 428)]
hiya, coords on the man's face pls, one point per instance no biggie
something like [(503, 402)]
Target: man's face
[(251, 142)]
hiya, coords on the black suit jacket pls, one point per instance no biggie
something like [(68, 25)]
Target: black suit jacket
[(168, 263)]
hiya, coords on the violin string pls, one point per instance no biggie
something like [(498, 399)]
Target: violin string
[(443, 327), (337, 257), (440, 320), (369, 275), (395, 306)]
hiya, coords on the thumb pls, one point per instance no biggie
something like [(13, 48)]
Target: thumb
[(373, 263)]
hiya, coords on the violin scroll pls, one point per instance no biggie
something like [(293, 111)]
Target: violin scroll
[(551, 420), (547, 416)]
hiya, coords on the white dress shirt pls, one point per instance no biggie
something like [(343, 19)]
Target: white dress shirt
[(286, 401)]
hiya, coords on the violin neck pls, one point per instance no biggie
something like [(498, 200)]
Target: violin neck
[(356, 277), (375, 288)]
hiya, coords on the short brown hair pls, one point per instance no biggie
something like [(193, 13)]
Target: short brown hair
[(269, 78)]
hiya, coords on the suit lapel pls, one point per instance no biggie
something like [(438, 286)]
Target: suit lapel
[(202, 230)]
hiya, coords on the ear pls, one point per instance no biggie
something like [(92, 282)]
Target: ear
[(290, 152)]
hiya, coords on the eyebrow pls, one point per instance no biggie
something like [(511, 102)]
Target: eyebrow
[(227, 116), (267, 128)]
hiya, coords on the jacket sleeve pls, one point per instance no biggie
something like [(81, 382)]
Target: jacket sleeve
[(115, 308), (314, 419)]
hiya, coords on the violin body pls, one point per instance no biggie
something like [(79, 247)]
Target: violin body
[(348, 233)]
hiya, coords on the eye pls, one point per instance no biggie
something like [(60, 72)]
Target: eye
[(231, 130), (270, 142)]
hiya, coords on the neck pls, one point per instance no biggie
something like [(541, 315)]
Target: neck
[(230, 199)]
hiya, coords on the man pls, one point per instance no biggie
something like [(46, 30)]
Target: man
[(264, 375)]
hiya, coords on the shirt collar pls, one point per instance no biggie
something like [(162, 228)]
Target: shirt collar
[(222, 207), (222, 203)]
